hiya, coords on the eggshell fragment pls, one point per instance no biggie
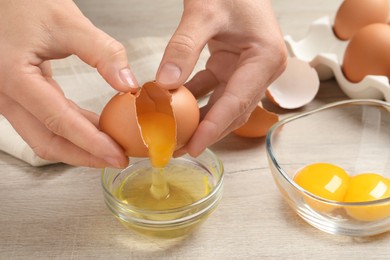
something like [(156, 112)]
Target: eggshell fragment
[(296, 87), (258, 123), (353, 15), (119, 120), (119, 117), (368, 53)]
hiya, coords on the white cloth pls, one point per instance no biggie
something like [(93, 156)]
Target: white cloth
[(87, 88)]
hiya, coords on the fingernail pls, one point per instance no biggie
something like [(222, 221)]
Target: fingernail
[(113, 162), (128, 78), (169, 74), (197, 151)]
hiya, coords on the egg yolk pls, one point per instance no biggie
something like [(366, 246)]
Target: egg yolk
[(368, 187), (325, 180), (159, 133)]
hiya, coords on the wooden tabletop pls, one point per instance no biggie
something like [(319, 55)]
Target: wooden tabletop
[(57, 211)]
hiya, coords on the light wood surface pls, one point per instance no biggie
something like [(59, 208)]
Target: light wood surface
[(57, 211)]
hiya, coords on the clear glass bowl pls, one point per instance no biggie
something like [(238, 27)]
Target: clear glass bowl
[(353, 134), (167, 221)]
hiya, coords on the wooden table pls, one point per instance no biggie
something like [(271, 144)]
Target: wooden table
[(57, 211)]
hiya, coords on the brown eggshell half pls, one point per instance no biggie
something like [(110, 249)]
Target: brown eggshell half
[(258, 123), (119, 120), (186, 111)]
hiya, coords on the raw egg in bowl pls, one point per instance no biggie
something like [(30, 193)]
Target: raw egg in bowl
[(331, 166), (192, 189)]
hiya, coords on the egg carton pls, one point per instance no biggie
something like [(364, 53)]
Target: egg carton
[(325, 52)]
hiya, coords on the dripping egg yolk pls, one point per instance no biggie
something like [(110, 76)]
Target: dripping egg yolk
[(368, 187), (159, 133), (324, 180)]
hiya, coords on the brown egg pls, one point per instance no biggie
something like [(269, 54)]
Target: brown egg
[(119, 118), (258, 123), (368, 53), (355, 14)]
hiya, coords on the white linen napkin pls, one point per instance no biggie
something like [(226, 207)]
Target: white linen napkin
[(89, 90)]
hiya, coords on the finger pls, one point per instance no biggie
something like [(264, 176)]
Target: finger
[(47, 145), (46, 69), (215, 95), (215, 77), (89, 115), (180, 152), (92, 117), (202, 83), (51, 108), (186, 44), (233, 103), (99, 50)]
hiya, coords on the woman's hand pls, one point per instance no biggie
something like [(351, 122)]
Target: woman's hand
[(247, 54), (31, 34)]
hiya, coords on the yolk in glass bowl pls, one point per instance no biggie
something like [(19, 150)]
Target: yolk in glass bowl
[(324, 180), (368, 187)]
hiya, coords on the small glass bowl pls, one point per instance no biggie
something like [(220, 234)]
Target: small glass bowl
[(172, 222), (352, 134)]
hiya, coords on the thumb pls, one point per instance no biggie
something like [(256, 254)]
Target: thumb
[(183, 50), (102, 52)]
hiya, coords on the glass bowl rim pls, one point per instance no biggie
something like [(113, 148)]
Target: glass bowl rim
[(272, 130), (210, 195)]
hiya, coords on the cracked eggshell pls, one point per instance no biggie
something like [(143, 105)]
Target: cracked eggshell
[(258, 123), (119, 118), (296, 86)]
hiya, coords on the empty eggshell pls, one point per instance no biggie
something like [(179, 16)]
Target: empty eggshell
[(119, 118), (296, 87), (353, 15), (368, 53), (258, 123)]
